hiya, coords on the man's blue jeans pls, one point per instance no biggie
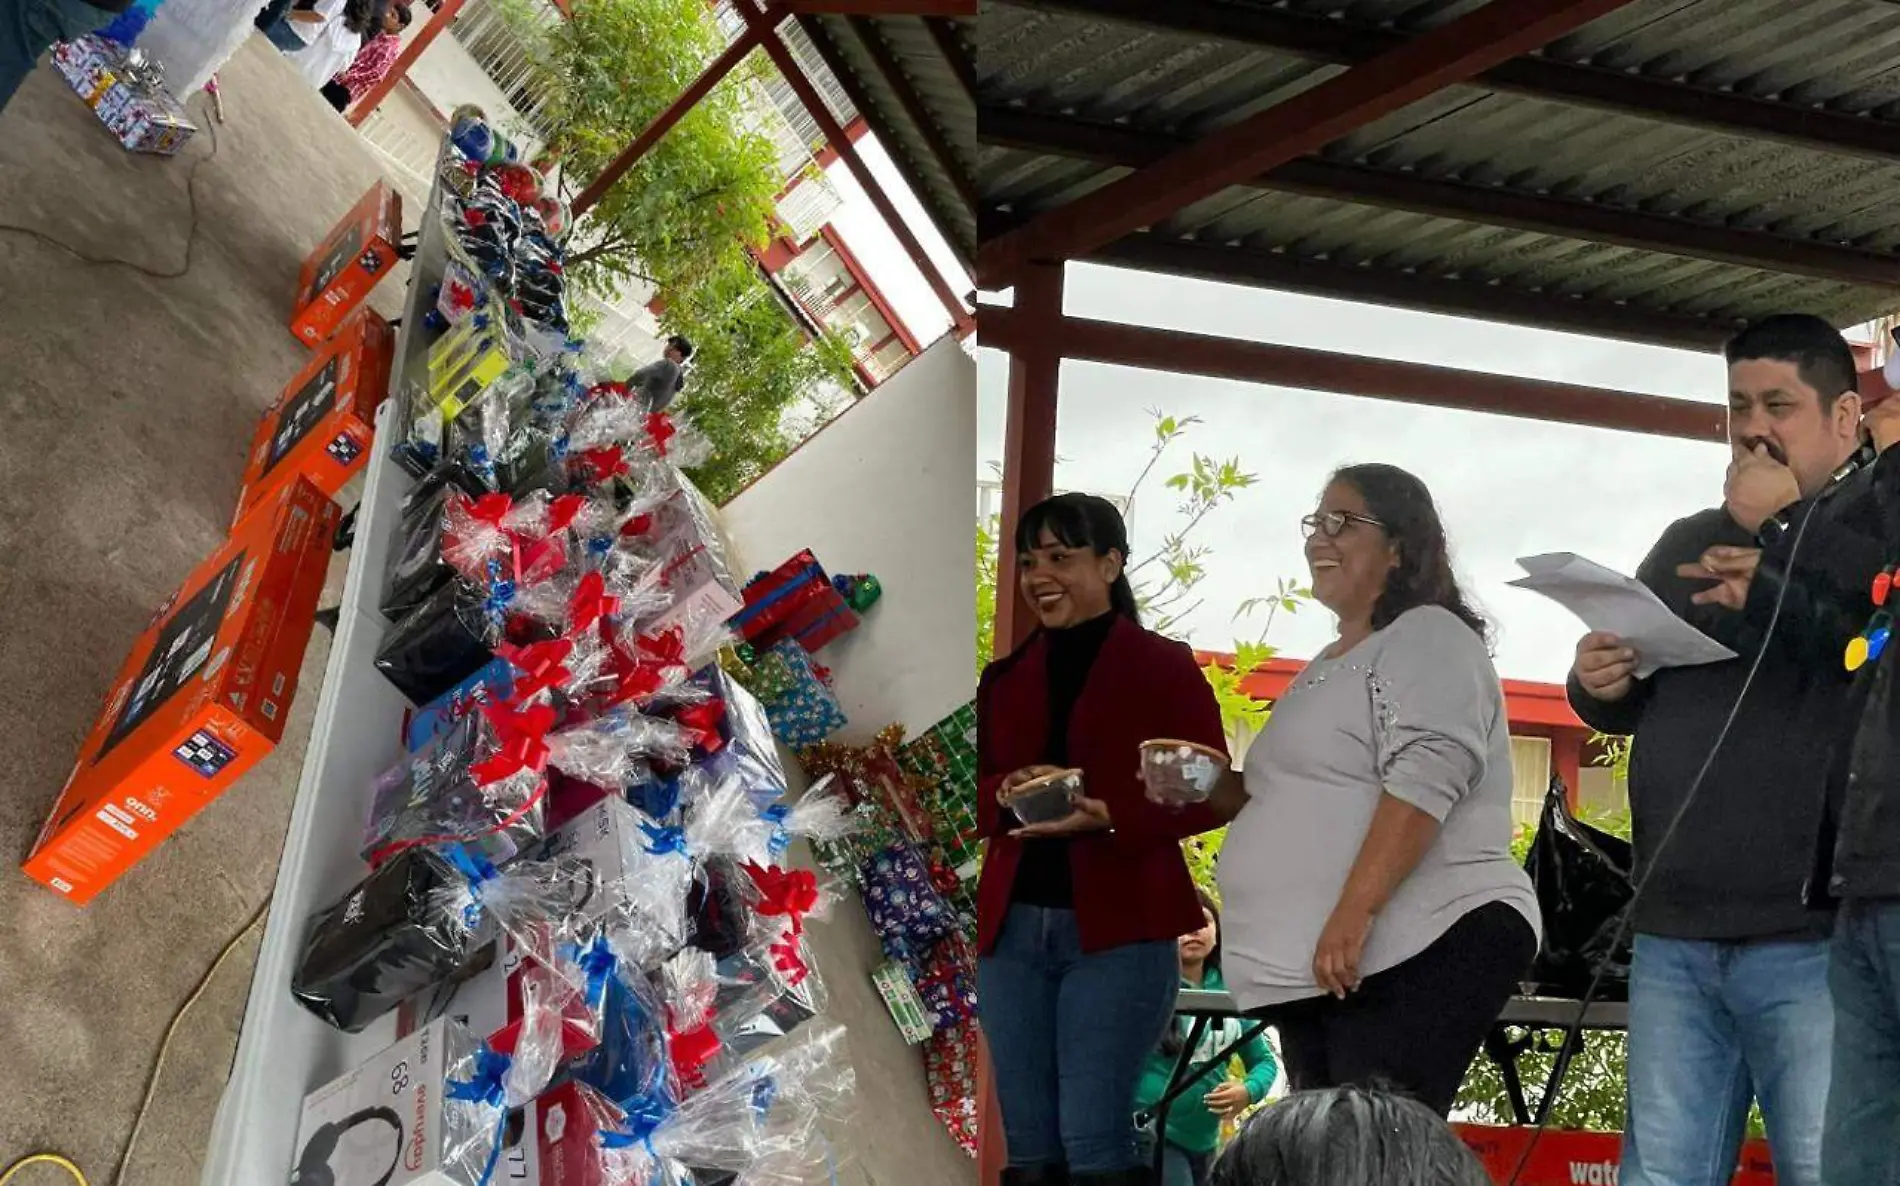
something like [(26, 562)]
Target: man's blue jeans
[(1712, 1027), (1068, 1034), (1861, 1146), (28, 28)]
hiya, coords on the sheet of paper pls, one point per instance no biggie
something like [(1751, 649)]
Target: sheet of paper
[(1609, 601)]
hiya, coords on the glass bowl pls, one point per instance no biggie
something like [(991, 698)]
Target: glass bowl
[(1179, 773), (1047, 799)]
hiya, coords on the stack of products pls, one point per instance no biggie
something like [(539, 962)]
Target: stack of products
[(944, 756), (130, 101), (910, 891), (789, 614), (577, 906)]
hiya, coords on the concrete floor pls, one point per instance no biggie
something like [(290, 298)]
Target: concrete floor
[(126, 407)]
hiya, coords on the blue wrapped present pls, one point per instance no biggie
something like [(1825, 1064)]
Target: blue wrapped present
[(809, 712), (908, 914)]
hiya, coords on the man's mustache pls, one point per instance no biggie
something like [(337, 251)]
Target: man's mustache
[(1750, 444)]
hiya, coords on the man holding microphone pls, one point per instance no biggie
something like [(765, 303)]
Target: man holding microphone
[(1728, 984)]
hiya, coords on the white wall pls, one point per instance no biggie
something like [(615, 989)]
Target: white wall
[(886, 489)]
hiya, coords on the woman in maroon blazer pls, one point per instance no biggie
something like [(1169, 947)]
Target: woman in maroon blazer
[(1079, 918)]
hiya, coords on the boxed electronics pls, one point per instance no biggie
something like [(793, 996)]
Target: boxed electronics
[(201, 699), (360, 251), (396, 1119), (322, 425)]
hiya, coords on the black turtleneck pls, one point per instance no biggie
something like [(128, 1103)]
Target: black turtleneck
[(1042, 876)]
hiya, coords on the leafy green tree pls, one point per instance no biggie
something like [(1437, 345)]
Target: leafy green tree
[(986, 565), (684, 219)]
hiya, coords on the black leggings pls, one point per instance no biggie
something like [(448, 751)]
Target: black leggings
[(1412, 1028)]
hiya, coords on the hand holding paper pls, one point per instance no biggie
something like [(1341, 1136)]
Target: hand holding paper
[(1611, 603)]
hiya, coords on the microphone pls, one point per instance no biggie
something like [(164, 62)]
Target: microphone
[(1862, 457)]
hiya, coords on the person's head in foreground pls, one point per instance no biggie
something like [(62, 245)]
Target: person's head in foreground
[(1793, 395), (1071, 556), (1376, 548), (678, 349), (1347, 1136)]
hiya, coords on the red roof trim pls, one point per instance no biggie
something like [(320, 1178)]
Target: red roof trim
[(1541, 707)]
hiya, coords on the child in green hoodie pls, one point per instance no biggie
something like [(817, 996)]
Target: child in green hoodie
[(1195, 1116)]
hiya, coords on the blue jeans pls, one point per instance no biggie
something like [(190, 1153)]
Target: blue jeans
[(1713, 1026), (1068, 1036), (1861, 1144), (28, 28), (1178, 1166)]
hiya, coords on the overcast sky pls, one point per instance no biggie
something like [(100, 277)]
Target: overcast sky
[(1507, 487)]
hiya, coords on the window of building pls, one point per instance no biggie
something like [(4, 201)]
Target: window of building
[(1530, 769)]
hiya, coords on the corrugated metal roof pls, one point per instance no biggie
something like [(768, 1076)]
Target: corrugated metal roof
[(921, 57), (1835, 56)]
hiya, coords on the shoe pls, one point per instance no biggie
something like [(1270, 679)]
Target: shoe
[(1042, 1175)]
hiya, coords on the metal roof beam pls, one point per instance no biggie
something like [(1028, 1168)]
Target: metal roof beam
[(1453, 52), (1609, 89), (927, 129), (819, 32), (1383, 286), (1348, 374), (1106, 144), (943, 32)]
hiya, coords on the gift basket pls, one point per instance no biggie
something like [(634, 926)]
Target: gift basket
[(577, 903)]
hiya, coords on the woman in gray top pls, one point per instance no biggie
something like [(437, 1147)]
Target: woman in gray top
[(1374, 910)]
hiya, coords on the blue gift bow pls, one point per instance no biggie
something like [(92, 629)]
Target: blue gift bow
[(598, 961), (662, 840), (776, 814), (486, 1088), (477, 869), (664, 798)]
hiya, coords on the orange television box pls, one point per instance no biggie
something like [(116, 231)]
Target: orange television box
[(201, 699), (358, 252), (1562, 1158), (321, 426)]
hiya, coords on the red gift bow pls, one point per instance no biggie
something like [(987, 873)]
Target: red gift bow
[(692, 1049), (541, 665), (634, 678), (603, 464), (489, 508), (524, 746), (564, 510), (660, 430), (790, 894), (607, 388), (638, 525), (591, 602), (667, 647), (702, 720)]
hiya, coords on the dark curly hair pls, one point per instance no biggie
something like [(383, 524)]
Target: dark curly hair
[(1423, 575), (1347, 1136)]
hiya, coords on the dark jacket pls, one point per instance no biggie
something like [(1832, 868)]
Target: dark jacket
[(1857, 850), (1736, 866), (1131, 884)]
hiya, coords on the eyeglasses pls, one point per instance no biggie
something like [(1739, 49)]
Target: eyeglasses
[(1332, 523)]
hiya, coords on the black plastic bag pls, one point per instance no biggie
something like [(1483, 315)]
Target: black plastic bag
[(387, 939), (1582, 878)]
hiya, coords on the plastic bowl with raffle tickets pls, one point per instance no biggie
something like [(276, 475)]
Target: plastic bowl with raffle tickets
[(1180, 772), (1047, 799)]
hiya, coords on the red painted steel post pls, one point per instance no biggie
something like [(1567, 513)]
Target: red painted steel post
[(1029, 432), (439, 20), (765, 24)]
